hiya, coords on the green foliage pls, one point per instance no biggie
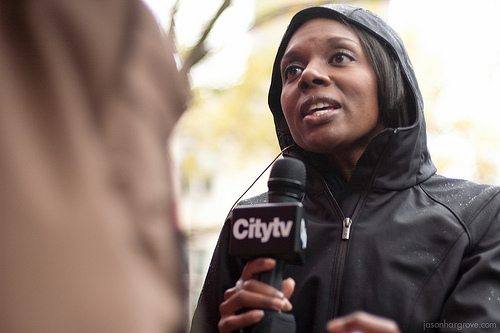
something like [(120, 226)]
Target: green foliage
[(234, 123)]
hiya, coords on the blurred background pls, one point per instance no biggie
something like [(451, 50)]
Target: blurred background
[(226, 138)]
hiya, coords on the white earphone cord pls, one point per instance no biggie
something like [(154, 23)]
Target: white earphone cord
[(248, 189)]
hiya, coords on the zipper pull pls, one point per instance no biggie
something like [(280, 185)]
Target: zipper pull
[(346, 228)]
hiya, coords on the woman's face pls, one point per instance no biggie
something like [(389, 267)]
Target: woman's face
[(329, 95)]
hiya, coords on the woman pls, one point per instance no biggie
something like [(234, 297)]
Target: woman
[(392, 245)]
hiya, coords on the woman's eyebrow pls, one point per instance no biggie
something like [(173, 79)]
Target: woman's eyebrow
[(334, 40), (289, 54)]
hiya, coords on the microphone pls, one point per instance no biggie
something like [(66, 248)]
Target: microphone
[(276, 229)]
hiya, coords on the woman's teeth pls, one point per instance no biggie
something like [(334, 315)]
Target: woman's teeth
[(320, 108)]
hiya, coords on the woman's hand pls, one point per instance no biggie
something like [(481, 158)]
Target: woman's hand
[(252, 294), (362, 322)]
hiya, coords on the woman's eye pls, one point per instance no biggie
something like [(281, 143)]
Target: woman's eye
[(292, 71), (341, 58)]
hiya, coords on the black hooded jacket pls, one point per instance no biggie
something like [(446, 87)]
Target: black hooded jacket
[(423, 250)]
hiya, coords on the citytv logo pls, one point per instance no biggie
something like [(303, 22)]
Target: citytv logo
[(255, 228), (276, 230)]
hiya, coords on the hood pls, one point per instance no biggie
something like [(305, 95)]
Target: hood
[(400, 155)]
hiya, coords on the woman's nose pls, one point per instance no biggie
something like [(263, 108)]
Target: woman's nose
[(313, 75)]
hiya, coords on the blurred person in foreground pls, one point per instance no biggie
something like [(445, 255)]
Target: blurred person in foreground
[(89, 93), (392, 246)]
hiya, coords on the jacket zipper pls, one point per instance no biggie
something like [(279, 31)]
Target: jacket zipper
[(346, 228), (346, 232), (338, 271), (339, 275)]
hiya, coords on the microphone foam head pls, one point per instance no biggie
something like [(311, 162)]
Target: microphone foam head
[(287, 179)]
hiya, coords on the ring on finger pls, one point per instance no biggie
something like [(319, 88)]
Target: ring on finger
[(239, 284)]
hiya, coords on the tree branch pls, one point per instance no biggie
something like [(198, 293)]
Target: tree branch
[(199, 50)]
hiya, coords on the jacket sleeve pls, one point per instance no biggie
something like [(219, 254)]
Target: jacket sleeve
[(223, 273), (475, 301)]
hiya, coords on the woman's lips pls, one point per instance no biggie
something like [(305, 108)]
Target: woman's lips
[(320, 108), (317, 110), (314, 104), (319, 117)]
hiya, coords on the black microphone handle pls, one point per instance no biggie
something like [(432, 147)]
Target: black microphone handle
[(286, 184), (275, 275), (274, 322)]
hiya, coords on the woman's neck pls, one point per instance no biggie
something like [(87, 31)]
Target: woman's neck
[(344, 165)]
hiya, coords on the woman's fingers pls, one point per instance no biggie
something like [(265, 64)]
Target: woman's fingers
[(253, 295), (235, 322), (362, 322), (253, 286), (256, 266), (287, 287), (267, 290), (249, 293)]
